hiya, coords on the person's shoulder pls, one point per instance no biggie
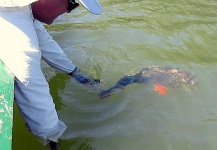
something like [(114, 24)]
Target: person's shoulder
[(14, 3)]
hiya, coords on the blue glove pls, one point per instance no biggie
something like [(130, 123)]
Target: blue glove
[(83, 78)]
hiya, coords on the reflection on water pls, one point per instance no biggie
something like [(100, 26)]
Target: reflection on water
[(128, 36)]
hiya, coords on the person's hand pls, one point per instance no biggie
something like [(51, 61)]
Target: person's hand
[(83, 78)]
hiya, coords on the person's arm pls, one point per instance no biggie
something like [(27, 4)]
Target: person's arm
[(51, 51), (54, 56)]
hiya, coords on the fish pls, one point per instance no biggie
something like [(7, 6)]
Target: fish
[(161, 77)]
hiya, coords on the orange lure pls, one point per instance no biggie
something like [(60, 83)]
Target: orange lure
[(160, 89)]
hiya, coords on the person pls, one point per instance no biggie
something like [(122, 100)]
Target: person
[(24, 41)]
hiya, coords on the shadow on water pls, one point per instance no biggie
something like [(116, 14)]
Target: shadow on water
[(57, 83)]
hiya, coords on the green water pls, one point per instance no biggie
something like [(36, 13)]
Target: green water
[(128, 36)]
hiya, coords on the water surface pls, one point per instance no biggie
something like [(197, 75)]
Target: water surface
[(128, 36)]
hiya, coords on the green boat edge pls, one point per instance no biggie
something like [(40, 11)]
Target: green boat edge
[(6, 107)]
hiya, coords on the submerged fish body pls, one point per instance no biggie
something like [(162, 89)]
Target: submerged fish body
[(170, 77), (174, 77)]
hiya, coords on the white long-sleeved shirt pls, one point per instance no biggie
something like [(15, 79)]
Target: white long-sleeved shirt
[(13, 24), (14, 3)]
